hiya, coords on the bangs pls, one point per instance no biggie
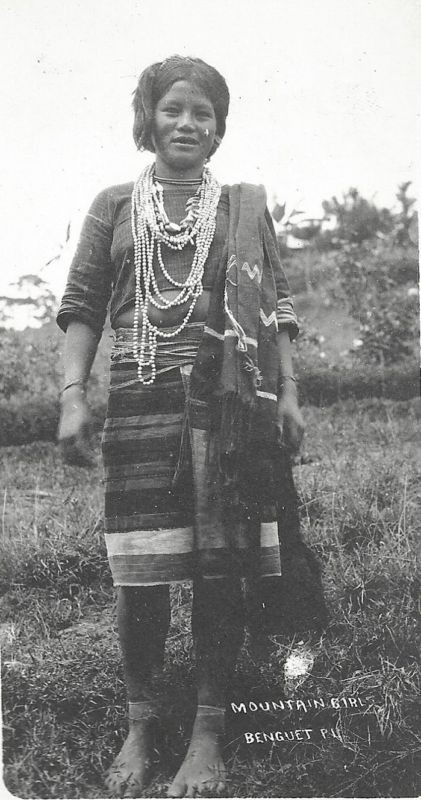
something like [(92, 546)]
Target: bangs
[(195, 74)]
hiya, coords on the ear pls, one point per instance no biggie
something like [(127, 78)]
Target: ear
[(216, 142)]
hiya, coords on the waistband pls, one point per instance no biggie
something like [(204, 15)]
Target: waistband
[(192, 331), (171, 353)]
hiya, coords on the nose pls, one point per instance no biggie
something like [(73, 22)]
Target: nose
[(185, 121)]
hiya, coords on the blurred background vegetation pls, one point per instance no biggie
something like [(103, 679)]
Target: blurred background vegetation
[(354, 277)]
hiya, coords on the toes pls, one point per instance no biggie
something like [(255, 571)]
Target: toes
[(211, 787), (111, 783), (177, 790), (132, 790), (117, 786), (128, 785)]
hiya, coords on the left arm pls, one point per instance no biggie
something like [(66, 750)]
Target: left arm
[(290, 423)]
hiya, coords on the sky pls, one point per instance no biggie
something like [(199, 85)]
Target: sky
[(324, 95)]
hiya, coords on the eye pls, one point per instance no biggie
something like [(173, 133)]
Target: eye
[(204, 111)]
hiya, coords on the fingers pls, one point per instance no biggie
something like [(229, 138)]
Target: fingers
[(290, 434), (73, 436), (295, 435), (76, 452)]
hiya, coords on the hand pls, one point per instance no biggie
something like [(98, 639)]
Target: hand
[(290, 423), (74, 428)]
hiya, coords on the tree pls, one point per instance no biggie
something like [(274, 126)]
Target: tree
[(34, 295), (406, 229), (357, 219)]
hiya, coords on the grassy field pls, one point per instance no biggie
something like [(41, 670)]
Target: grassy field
[(63, 695)]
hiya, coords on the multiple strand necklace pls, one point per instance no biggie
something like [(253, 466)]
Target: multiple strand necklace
[(151, 229)]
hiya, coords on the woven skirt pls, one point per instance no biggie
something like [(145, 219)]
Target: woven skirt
[(164, 520)]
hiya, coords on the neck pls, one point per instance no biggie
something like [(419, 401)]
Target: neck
[(179, 181), (170, 173)]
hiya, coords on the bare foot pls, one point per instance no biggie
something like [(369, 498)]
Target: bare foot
[(203, 769), (128, 774)]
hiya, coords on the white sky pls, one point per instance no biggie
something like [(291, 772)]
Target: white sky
[(324, 95)]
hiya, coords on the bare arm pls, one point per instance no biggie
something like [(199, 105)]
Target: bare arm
[(290, 422), (285, 357), (79, 352)]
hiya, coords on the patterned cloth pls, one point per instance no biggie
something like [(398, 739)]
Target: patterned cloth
[(165, 519), (190, 461), (237, 366)]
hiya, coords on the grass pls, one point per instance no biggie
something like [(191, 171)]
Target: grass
[(63, 693)]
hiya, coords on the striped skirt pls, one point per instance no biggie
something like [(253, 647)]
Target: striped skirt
[(164, 517)]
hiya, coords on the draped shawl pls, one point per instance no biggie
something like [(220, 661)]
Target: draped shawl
[(237, 366)]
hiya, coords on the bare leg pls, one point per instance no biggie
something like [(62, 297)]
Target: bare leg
[(218, 628), (143, 615)]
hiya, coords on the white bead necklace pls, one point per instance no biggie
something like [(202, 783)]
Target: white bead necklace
[(151, 227)]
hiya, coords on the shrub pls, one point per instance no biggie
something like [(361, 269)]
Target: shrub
[(357, 219), (26, 365), (322, 386), (379, 287)]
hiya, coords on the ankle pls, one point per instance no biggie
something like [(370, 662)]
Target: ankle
[(142, 711), (210, 710), (210, 720)]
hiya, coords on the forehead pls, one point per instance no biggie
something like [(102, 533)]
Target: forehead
[(185, 91)]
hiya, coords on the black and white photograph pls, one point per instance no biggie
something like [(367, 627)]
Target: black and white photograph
[(210, 445)]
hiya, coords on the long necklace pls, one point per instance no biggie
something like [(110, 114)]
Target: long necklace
[(151, 228)]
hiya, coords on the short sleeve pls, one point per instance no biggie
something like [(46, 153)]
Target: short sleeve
[(285, 314), (89, 281)]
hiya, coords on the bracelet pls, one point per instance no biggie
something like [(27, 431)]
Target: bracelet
[(142, 710), (202, 710), (77, 382), (285, 378)]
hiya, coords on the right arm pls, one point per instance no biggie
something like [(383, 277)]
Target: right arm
[(79, 352), (82, 315)]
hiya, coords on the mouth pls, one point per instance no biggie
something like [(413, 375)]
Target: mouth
[(188, 140)]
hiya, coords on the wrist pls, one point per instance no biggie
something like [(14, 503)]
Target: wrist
[(73, 390), (81, 382), (287, 384)]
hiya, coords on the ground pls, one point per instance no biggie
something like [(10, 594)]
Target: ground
[(63, 692)]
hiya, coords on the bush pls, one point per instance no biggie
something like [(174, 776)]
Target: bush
[(357, 219), (26, 364), (322, 386), (27, 420), (379, 286), (24, 420)]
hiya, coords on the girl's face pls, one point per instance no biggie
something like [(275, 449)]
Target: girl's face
[(183, 131)]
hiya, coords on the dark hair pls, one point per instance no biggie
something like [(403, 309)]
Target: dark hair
[(156, 80)]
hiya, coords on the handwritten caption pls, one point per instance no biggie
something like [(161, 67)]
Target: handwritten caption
[(306, 706)]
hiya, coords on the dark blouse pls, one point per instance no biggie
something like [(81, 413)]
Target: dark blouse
[(102, 270)]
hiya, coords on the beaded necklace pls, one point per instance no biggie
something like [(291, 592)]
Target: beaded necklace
[(151, 228)]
